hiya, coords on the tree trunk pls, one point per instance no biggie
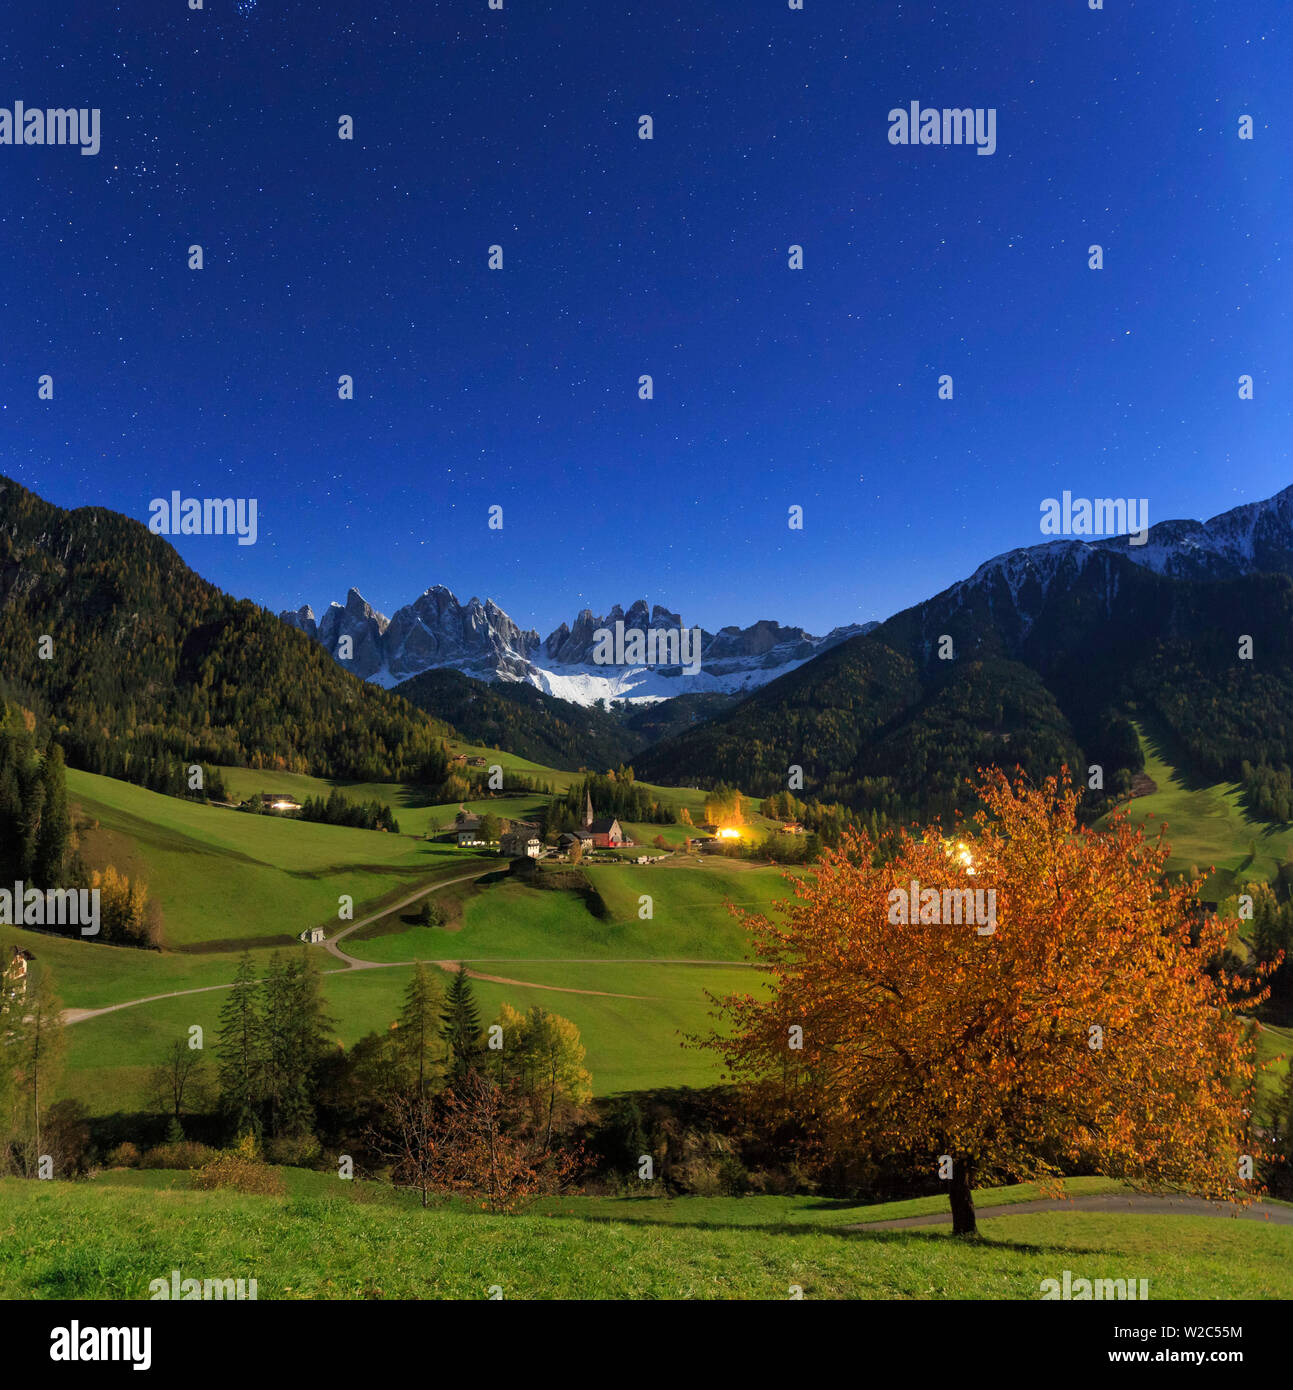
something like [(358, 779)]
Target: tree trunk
[(962, 1198)]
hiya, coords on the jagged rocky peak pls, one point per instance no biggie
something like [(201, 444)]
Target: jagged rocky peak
[(480, 639), (303, 620), (575, 645), (569, 645), (757, 639), (353, 633)]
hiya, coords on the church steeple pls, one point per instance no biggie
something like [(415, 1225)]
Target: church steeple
[(588, 809)]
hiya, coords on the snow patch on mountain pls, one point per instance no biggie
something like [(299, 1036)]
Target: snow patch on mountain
[(479, 639)]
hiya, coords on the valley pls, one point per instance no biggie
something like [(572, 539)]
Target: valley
[(228, 881), (630, 957)]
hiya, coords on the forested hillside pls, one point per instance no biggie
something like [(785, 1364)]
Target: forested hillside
[(141, 666), (1038, 678)]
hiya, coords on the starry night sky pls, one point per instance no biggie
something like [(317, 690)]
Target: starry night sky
[(624, 257)]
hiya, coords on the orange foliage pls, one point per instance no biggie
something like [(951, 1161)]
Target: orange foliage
[(928, 1038)]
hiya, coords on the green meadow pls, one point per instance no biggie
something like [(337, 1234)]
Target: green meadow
[(632, 1042), (417, 815), (507, 919), (1206, 823), (227, 878), (228, 881), (331, 1240)]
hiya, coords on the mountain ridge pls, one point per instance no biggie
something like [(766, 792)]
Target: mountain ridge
[(437, 631), (1074, 634)]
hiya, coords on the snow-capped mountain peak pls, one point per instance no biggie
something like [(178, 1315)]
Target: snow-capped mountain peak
[(479, 639)]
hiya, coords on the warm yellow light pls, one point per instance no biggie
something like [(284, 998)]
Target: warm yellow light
[(961, 854), (727, 833)]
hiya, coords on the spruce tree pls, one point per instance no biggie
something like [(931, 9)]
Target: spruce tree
[(460, 1026), (32, 791), (307, 1027), (275, 1042), (418, 1037), (52, 833), (238, 1049)]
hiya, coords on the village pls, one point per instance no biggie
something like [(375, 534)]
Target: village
[(522, 839)]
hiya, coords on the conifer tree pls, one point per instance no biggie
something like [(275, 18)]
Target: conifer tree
[(460, 1026), (54, 828), (238, 1048), (419, 1038), (293, 1030), (38, 1054)]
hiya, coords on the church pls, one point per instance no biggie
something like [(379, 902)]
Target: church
[(604, 833)]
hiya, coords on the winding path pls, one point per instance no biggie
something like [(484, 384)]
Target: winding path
[(350, 962), (1110, 1202)]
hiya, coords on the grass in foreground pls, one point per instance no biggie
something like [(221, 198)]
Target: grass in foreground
[(104, 1240)]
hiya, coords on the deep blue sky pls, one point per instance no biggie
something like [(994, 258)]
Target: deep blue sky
[(519, 387)]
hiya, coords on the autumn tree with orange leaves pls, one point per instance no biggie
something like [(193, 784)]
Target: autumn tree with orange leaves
[(1081, 1023)]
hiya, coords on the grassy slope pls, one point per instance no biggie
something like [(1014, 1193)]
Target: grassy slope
[(226, 880), (507, 920), (415, 814), (223, 875), (1274, 1047), (552, 938), (329, 1240), (1206, 822), (508, 930), (631, 1043)]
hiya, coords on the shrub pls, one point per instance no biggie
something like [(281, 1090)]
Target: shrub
[(189, 1154), (234, 1171), (301, 1152), (65, 1138), (431, 914), (123, 1156)]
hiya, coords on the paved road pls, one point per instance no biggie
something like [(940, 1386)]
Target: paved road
[(1142, 1202)]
